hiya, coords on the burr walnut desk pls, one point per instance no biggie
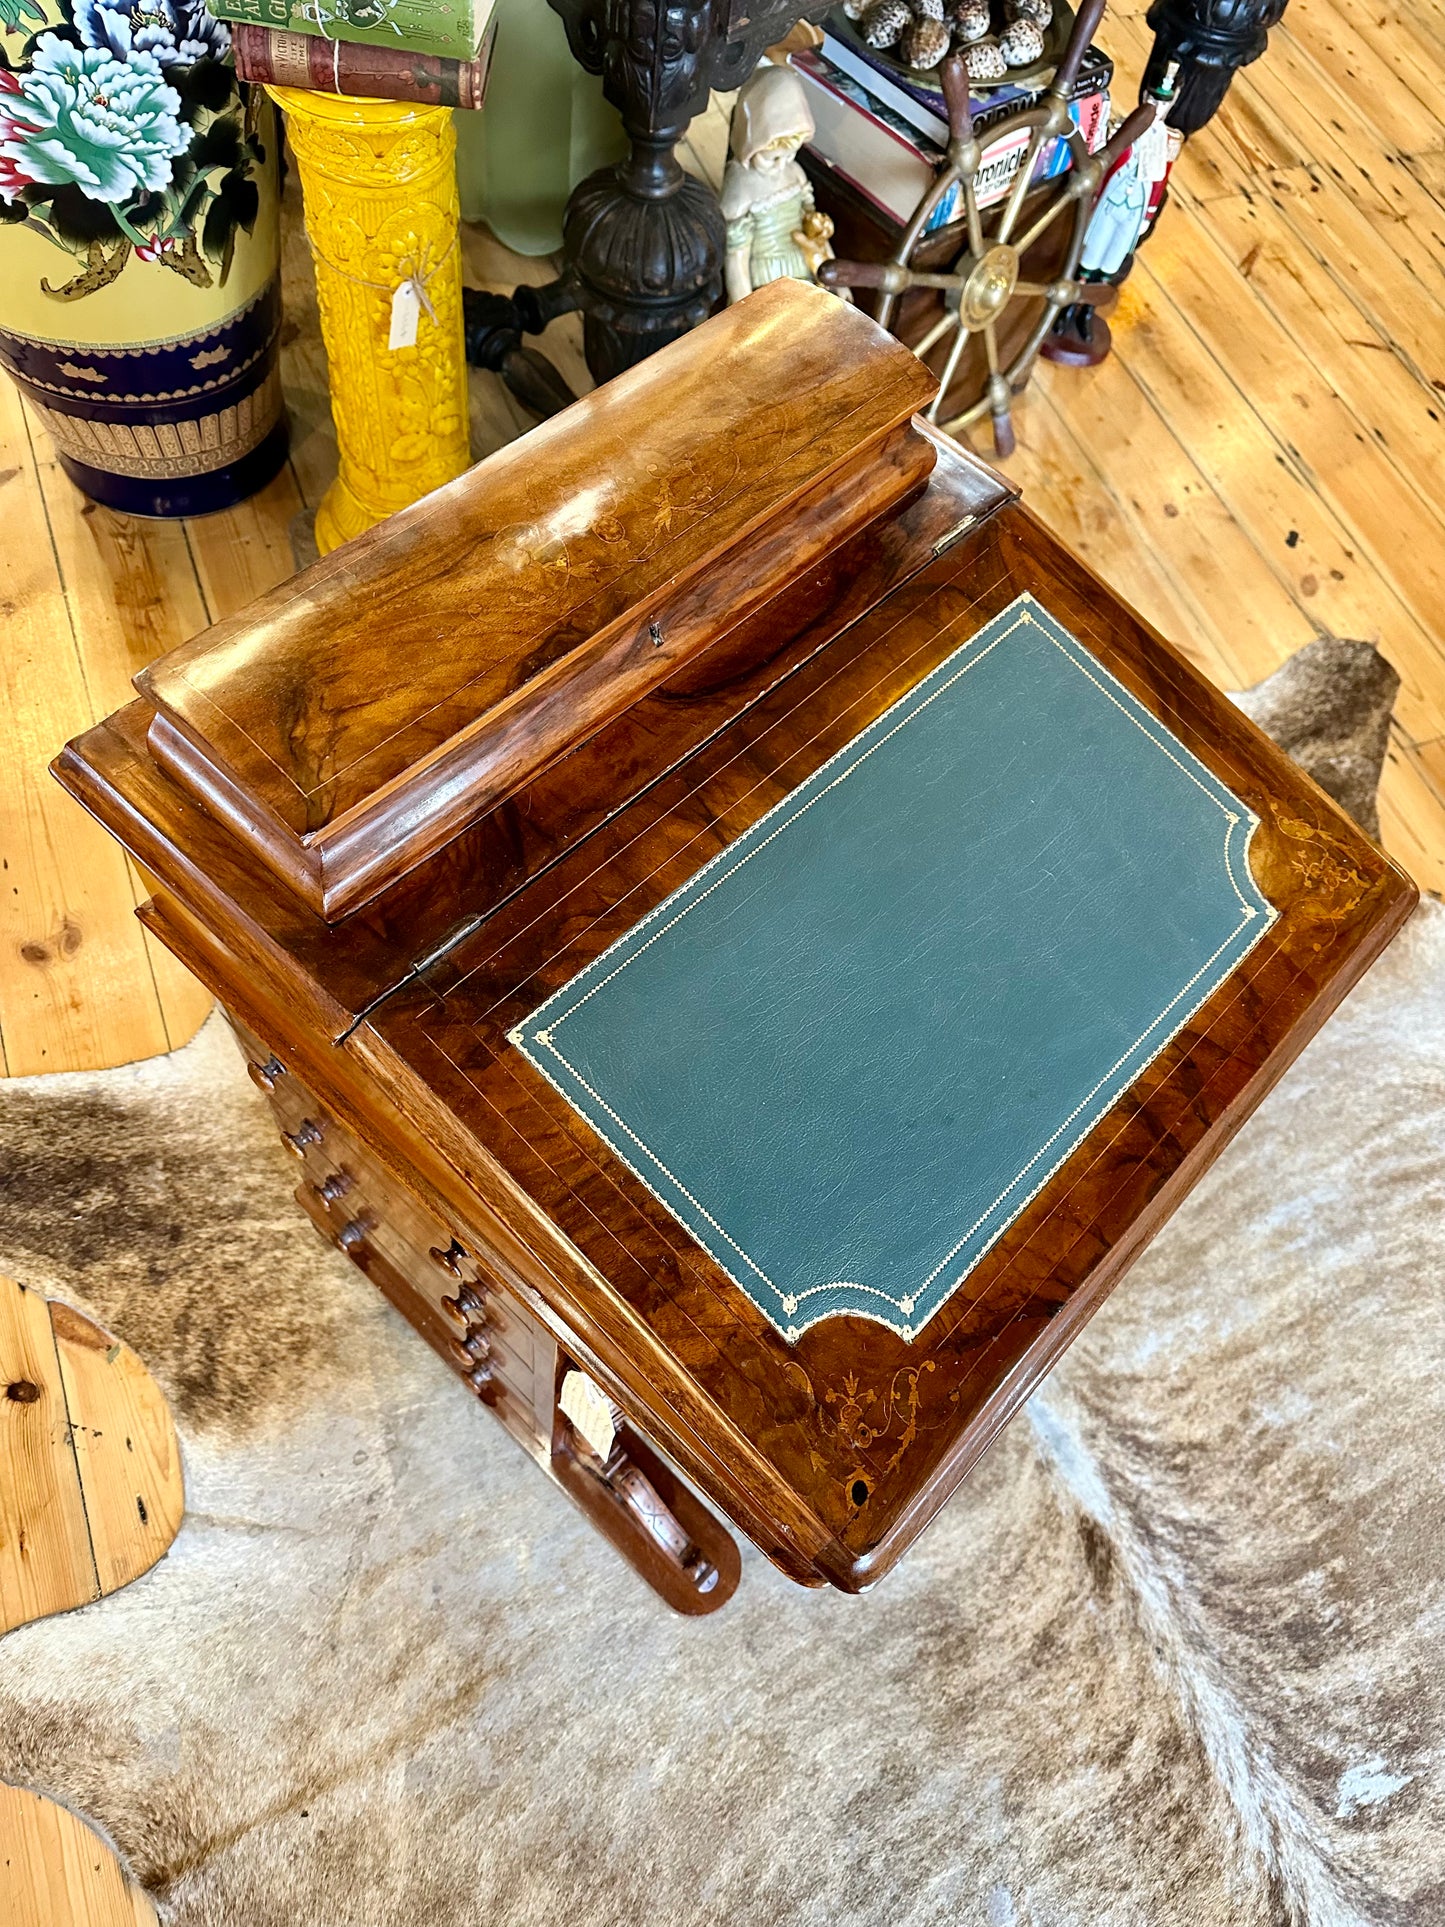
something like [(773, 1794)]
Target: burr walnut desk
[(746, 937)]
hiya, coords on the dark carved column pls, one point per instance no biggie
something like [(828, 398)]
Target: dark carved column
[(1211, 40), (643, 240)]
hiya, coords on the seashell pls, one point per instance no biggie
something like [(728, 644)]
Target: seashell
[(924, 43), (1041, 12), (985, 61), (927, 9), (1021, 43), (970, 19), (884, 21)]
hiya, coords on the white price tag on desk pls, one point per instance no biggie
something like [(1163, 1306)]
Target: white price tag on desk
[(591, 1411)]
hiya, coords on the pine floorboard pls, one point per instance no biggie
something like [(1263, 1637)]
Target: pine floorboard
[(91, 1488), (1258, 463), (55, 1871)]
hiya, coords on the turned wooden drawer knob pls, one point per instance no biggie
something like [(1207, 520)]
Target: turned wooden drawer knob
[(352, 1236), (266, 1076), (475, 1348), (307, 1132), (484, 1384), (334, 1187), (450, 1260), (467, 1308)]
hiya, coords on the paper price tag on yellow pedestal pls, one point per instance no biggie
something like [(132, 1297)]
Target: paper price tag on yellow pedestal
[(405, 315)]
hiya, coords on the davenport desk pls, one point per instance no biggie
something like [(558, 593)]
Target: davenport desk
[(745, 936)]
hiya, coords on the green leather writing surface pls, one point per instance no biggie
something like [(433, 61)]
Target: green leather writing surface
[(849, 1050)]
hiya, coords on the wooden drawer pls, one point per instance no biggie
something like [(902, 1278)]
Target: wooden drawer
[(327, 1150), (348, 1181), (507, 1389), (457, 1300), (499, 1350)]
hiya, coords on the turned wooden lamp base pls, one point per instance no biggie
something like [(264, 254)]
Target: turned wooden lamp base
[(378, 184)]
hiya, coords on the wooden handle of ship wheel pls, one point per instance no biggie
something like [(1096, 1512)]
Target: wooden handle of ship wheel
[(955, 93), (857, 274), (1139, 122), (1086, 25)]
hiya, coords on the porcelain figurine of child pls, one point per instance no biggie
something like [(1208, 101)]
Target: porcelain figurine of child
[(773, 229)]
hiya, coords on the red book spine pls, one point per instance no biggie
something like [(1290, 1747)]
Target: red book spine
[(309, 60)]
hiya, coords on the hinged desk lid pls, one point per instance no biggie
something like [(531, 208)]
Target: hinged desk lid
[(856, 1058), (855, 1044), (347, 725)]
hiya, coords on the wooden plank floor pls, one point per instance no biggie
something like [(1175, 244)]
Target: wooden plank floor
[(91, 1492), (56, 1872), (1257, 464)]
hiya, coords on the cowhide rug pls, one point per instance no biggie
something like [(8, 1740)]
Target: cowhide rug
[(1329, 705), (1172, 1655)]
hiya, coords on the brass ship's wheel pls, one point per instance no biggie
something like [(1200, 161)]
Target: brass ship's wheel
[(986, 276)]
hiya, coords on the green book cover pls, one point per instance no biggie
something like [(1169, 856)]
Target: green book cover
[(451, 28)]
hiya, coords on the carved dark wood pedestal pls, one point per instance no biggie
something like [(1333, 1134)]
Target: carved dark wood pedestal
[(643, 240)]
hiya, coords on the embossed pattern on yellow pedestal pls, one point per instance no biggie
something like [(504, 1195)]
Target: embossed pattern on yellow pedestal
[(378, 180)]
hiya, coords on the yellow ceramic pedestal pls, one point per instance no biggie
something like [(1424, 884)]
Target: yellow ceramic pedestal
[(378, 183)]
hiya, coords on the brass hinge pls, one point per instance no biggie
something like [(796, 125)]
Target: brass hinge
[(950, 536)]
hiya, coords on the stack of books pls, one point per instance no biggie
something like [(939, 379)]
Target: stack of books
[(883, 130), (438, 52)]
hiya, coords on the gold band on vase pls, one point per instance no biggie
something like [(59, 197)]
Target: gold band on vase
[(165, 450)]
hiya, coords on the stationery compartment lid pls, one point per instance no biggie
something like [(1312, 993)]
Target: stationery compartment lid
[(348, 723)]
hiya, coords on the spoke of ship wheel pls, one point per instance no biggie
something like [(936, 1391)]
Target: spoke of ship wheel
[(916, 278), (950, 368), (990, 346), (1051, 213), (998, 396), (975, 223), (1021, 185), (940, 328)]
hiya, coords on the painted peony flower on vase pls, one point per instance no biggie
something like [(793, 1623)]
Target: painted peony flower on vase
[(80, 116), (172, 33), (124, 134)]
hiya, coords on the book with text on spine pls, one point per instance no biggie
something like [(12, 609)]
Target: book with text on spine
[(891, 164), (450, 29), (288, 59)]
